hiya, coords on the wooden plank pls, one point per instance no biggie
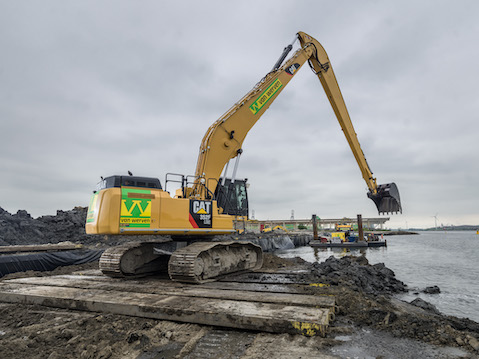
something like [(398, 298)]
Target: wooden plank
[(164, 287), (232, 284), (40, 248), (270, 317), (267, 277)]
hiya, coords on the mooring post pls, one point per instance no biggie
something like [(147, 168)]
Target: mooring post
[(360, 227), (315, 228)]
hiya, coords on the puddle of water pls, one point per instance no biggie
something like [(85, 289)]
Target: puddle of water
[(343, 338)]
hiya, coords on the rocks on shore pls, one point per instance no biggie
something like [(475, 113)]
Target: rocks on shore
[(418, 302), (432, 290)]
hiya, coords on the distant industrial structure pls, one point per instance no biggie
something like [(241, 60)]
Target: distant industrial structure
[(292, 224)]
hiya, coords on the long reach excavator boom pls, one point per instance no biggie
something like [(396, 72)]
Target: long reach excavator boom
[(207, 204), (224, 139)]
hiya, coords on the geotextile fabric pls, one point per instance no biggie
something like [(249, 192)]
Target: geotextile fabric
[(46, 261)]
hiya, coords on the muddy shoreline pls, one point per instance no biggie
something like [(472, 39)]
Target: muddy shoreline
[(368, 312), (370, 323)]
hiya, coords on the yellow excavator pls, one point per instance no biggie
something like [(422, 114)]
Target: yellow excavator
[(208, 204)]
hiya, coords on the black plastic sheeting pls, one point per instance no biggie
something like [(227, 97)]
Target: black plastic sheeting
[(46, 261)]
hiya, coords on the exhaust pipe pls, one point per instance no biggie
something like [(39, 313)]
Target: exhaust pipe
[(387, 198)]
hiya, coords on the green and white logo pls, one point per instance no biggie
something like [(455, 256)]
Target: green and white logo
[(135, 208)]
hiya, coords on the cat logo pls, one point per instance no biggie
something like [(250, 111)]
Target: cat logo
[(201, 207), (201, 214)]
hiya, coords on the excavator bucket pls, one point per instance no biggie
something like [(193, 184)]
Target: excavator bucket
[(387, 198)]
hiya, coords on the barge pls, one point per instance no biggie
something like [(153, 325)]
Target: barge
[(358, 244)]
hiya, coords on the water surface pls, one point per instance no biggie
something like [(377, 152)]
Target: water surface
[(449, 260)]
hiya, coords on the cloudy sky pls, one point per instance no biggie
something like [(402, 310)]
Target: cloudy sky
[(94, 88)]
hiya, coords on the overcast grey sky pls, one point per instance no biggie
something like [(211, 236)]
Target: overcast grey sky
[(94, 88)]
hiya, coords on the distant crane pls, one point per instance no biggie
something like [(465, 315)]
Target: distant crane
[(435, 222)]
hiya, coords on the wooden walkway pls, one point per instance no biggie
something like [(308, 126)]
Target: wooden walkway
[(277, 308)]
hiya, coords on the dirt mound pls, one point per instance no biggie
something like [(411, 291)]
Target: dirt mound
[(270, 261), (357, 273), (21, 228), (405, 320), (365, 295)]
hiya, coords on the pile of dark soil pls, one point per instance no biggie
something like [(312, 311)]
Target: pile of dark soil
[(357, 273), (365, 295), (365, 298), (270, 261), (21, 228)]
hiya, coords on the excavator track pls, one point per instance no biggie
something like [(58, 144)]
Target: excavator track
[(207, 261), (196, 263), (131, 260)]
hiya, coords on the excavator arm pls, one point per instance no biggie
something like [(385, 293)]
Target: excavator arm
[(223, 140), (385, 196)]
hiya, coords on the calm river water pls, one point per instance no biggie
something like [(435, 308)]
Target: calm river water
[(449, 260)]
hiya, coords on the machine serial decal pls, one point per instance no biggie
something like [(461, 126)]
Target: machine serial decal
[(265, 96), (135, 208), (292, 69), (201, 214)]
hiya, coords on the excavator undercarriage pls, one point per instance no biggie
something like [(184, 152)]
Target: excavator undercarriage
[(198, 262)]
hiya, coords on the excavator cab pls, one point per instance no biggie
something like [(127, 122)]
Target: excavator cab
[(386, 198), (232, 197)]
